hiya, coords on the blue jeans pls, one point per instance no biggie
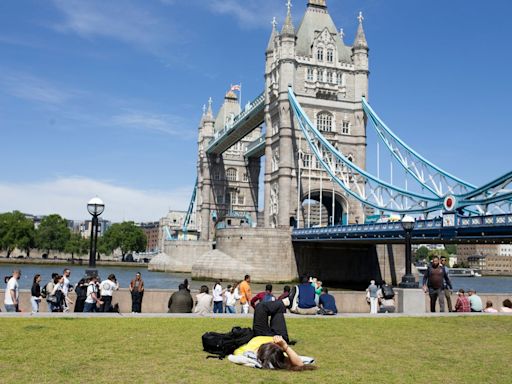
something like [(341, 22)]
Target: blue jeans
[(217, 307), (90, 307), (230, 309), (10, 308)]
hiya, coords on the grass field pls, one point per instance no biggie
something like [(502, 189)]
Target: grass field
[(168, 350)]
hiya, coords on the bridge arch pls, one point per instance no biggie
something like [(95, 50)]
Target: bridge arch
[(319, 210)]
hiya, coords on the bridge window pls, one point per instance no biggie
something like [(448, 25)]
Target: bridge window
[(246, 177), (275, 160), (220, 199), (310, 74), (231, 174), (330, 55), (320, 54), (340, 78), (216, 175), (275, 128), (329, 77), (345, 127), (306, 160), (324, 122)]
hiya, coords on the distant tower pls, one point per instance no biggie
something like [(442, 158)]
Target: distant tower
[(329, 79)]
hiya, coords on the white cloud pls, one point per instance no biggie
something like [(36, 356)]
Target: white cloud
[(69, 196), (163, 123), (122, 20), (32, 88), (250, 13)]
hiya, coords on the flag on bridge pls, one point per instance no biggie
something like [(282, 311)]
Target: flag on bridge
[(236, 87)]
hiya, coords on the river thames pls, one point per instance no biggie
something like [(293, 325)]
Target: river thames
[(164, 280)]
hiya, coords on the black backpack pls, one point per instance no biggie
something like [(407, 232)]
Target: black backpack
[(387, 291), (223, 344)]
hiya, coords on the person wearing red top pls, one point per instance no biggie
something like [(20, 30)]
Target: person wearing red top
[(462, 304), (263, 296)]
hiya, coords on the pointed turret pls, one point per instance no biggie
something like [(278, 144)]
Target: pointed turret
[(208, 116), (288, 28), (273, 35), (360, 40)]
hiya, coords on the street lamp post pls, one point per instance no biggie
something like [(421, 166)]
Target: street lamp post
[(408, 280), (95, 207)]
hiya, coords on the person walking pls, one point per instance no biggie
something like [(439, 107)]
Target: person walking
[(137, 291), (12, 293), (371, 292), (217, 298), (433, 280), (447, 286), (231, 298), (181, 301), (107, 288), (245, 294), (475, 302), (35, 293), (81, 295), (92, 301)]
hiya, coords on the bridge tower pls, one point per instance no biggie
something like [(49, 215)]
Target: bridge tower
[(329, 79)]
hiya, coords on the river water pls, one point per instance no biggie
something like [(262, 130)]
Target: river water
[(164, 280)]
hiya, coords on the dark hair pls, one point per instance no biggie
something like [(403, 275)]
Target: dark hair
[(461, 290), (271, 356), (488, 304), (435, 257), (181, 287), (112, 277), (286, 288), (268, 287), (204, 289), (507, 303), (304, 279), (56, 278), (246, 277), (325, 290), (229, 286), (36, 276), (54, 274)]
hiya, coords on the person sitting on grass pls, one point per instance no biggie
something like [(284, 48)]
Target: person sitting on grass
[(462, 304), (489, 308), (507, 306), (269, 347), (203, 301), (303, 296), (264, 296), (327, 303)]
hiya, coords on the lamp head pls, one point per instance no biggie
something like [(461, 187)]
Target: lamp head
[(95, 206), (408, 223)]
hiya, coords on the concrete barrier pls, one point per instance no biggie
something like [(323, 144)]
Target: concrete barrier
[(155, 300)]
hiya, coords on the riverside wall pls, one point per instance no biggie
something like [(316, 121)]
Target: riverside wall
[(155, 300), (179, 255)]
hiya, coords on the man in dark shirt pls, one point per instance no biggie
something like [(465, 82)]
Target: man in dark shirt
[(327, 303), (285, 294), (263, 296), (305, 298), (181, 301), (433, 281)]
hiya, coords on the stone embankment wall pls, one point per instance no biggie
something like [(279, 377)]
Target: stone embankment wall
[(155, 300), (179, 255)]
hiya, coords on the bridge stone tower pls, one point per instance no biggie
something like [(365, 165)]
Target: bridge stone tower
[(329, 79)]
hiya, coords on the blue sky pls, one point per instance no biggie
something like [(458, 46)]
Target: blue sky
[(104, 98)]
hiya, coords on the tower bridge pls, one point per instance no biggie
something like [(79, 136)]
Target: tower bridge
[(307, 133)]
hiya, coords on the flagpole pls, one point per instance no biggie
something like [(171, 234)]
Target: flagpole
[(240, 95)]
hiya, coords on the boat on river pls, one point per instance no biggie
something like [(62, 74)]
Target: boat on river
[(454, 272)]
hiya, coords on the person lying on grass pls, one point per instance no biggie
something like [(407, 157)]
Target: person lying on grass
[(269, 348)]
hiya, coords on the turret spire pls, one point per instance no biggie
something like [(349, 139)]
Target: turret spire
[(360, 40), (209, 111), (288, 28), (270, 46)]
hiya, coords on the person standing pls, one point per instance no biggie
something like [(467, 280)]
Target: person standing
[(35, 292), (108, 287), (203, 301), (447, 287), (137, 290), (462, 304), (433, 280), (371, 291), (81, 295), (92, 300), (475, 302), (245, 293), (12, 293), (217, 298), (231, 298), (181, 301)]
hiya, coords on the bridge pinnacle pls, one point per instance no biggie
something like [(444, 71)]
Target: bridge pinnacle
[(288, 28), (360, 40), (209, 112)]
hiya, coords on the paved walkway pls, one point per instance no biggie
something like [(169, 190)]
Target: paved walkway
[(237, 315)]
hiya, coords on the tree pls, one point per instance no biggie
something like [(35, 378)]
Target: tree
[(422, 253), (16, 231), (438, 253), (451, 248), (53, 234), (126, 236), (77, 245)]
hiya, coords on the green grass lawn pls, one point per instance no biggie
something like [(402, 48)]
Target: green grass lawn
[(168, 350)]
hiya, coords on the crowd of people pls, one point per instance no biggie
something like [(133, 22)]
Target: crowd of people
[(91, 294)]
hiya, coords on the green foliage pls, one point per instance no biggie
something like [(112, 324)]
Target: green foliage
[(126, 236), (422, 253), (16, 231), (451, 248), (53, 234), (77, 245), (438, 253)]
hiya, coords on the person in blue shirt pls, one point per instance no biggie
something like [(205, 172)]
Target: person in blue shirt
[(327, 303), (305, 298)]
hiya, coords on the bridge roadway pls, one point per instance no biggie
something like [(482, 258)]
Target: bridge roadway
[(474, 229)]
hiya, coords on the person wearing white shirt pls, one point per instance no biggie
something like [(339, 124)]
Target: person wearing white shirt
[(203, 301), (217, 298), (11, 301), (231, 296), (92, 296), (107, 289), (66, 288)]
